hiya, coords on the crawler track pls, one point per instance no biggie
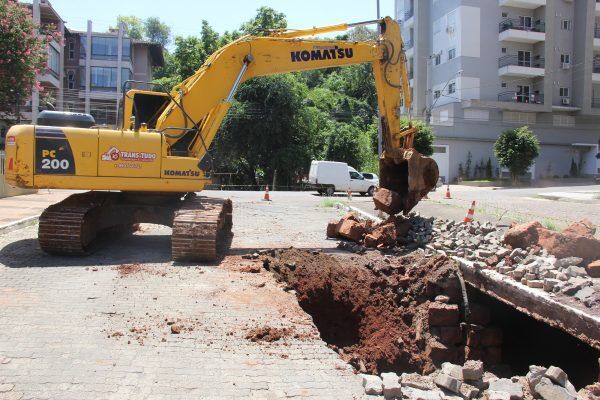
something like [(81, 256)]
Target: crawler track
[(81, 223), (201, 229)]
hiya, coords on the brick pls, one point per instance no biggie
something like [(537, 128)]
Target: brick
[(352, 230), (514, 389), (332, 229), (443, 314), (593, 269), (468, 392), (450, 335), (417, 381), (439, 352)]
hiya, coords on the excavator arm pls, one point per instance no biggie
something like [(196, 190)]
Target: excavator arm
[(195, 108)]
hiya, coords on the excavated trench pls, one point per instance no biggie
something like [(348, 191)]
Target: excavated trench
[(527, 341), (406, 314)]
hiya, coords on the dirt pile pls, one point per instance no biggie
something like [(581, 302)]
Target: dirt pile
[(577, 240), (375, 311)]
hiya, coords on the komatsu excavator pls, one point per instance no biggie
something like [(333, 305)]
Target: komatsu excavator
[(149, 170)]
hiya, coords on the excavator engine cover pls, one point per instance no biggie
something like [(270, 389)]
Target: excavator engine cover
[(406, 176)]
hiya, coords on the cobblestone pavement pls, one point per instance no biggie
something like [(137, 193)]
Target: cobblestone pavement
[(99, 327)]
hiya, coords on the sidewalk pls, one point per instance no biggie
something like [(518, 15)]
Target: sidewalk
[(16, 208)]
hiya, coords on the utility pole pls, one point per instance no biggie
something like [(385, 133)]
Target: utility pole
[(379, 129)]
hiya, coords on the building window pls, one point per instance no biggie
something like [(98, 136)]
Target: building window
[(104, 78), (503, 84), (519, 117), (104, 48), (564, 92), (125, 75), (565, 58), (437, 94), (53, 60), (504, 50), (504, 15), (566, 24), (82, 50), (126, 49), (563, 120), (452, 88), (451, 54), (71, 79), (437, 59), (82, 77), (71, 49)]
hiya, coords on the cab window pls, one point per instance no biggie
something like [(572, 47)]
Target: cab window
[(355, 175)]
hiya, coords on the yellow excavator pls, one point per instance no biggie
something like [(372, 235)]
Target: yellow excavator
[(149, 170)]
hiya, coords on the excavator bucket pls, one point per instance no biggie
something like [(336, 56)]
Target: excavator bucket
[(406, 176)]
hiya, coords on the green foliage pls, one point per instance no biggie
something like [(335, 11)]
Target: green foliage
[(156, 31), (516, 149), (189, 55), (266, 18), (423, 138), (151, 29), (23, 54), (347, 143), (134, 26)]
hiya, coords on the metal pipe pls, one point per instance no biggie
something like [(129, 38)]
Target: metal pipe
[(237, 81)]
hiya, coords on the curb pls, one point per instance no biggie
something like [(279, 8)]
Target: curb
[(360, 212), (20, 224)]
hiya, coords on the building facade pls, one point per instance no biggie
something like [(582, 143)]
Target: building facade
[(98, 64), (478, 67)]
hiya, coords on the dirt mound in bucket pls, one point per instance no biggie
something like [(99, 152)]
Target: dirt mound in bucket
[(372, 310)]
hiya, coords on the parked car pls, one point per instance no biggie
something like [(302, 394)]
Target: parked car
[(371, 177), (328, 177)]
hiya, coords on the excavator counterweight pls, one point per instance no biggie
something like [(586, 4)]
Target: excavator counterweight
[(149, 169)]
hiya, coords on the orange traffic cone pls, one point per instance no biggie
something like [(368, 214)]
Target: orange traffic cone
[(470, 213), (349, 194), (448, 196), (266, 198)]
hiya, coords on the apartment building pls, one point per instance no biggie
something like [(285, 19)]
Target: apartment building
[(478, 67), (96, 66)]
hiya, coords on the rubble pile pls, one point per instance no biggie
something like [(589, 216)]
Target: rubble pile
[(530, 254), (410, 232), (470, 381)]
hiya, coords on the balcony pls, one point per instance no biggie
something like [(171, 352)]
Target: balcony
[(597, 37), (516, 30), (528, 4), (597, 8), (596, 103), (408, 14), (513, 66), (516, 97)]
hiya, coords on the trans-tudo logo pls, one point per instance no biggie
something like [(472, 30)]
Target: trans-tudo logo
[(327, 53)]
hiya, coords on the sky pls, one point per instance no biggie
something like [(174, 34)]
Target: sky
[(185, 16)]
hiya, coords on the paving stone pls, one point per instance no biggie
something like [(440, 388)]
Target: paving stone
[(534, 376), (468, 392), (472, 370), (515, 390), (549, 391), (410, 393), (448, 382), (391, 385), (417, 381), (452, 370), (568, 261), (557, 375), (372, 384)]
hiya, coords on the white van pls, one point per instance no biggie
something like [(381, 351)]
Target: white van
[(328, 177)]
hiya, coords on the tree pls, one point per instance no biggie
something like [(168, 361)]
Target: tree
[(189, 55), (488, 169), (347, 143), (23, 54), (266, 19), (156, 31), (268, 130), (423, 138), (209, 38), (133, 24), (468, 165), (516, 149)]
